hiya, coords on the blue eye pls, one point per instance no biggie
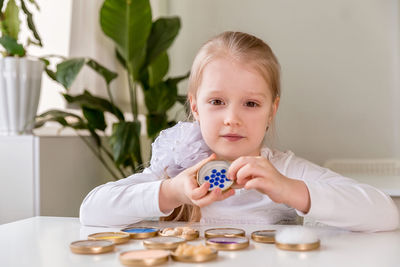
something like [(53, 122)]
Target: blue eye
[(251, 104), (216, 102)]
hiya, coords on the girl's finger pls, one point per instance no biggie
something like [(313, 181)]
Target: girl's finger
[(235, 166), (200, 191), (250, 171), (200, 164), (254, 184), (215, 195)]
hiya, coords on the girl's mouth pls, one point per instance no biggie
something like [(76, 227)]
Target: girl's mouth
[(232, 137)]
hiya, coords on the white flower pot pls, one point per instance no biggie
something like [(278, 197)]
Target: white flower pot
[(20, 82)]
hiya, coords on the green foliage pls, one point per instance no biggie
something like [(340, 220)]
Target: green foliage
[(11, 22), (31, 24), (125, 142), (68, 70), (10, 27), (141, 47), (128, 24), (11, 46)]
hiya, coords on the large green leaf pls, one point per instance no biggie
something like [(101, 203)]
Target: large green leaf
[(128, 24), (160, 98), (158, 69), (125, 142), (121, 60), (163, 33), (163, 96), (68, 120), (88, 100), (12, 47), (173, 82), (68, 70), (155, 122), (31, 24), (107, 74), (11, 21), (75, 122), (95, 118)]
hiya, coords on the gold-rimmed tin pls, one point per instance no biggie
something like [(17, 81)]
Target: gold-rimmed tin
[(141, 232), (264, 236), (207, 174), (196, 258), (228, 243), (187, 236), (163, 242), (116, 237), (91, 246), (298, 247), (144, 257), (224, 232)]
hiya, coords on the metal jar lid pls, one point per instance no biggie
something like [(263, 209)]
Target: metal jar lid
[(141, 232), (187, 236), (163, 242), (224, 232), (264, 236), (298, 247), (144, 257), (92, 246), (215, 172), (195, 258), (228, 243), (116, 237)]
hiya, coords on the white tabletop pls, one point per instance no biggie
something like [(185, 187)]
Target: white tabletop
[(44, 241)]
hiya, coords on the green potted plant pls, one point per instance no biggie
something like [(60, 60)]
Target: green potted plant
[(20, 75), (141, 47)]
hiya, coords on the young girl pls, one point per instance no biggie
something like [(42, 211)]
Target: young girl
[(234, 91)]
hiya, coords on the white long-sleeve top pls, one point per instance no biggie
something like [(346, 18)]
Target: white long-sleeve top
[(335, 200)]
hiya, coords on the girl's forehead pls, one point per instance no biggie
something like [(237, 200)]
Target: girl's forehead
[(222, 75)]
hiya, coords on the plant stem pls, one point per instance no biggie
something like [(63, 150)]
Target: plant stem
[(111, 98), (133, 96), (110, 95), (98, 155)]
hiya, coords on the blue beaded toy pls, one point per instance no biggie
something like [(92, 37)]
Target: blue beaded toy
[(215, 172)]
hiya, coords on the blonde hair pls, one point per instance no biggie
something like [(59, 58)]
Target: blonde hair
[(244, 48)]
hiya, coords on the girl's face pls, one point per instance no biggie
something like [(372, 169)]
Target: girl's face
[(234, 106)]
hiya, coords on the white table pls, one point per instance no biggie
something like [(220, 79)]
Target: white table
[(44, 241)]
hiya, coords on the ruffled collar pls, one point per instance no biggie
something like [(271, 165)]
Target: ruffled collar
[(178, 148)]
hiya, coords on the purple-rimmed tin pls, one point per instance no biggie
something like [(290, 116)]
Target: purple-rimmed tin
[(228, 243)]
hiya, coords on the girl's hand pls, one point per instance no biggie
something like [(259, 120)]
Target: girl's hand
[(183, 189), (258, 173)]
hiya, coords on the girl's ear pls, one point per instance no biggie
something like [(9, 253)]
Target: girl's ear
[(193, 107), (275, 106)]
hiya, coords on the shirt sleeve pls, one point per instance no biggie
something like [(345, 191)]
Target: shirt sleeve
[(342, 202), (136, 198), (127, 201)]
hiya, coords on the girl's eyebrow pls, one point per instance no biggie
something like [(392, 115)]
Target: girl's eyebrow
[(257, 94), (250, 93)]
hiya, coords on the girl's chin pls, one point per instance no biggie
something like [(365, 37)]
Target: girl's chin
[(227, 156)]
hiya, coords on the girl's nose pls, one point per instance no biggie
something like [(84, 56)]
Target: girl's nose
[(232, 117)]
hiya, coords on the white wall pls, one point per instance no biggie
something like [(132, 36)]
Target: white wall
[(53, 23), (340, 65)]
